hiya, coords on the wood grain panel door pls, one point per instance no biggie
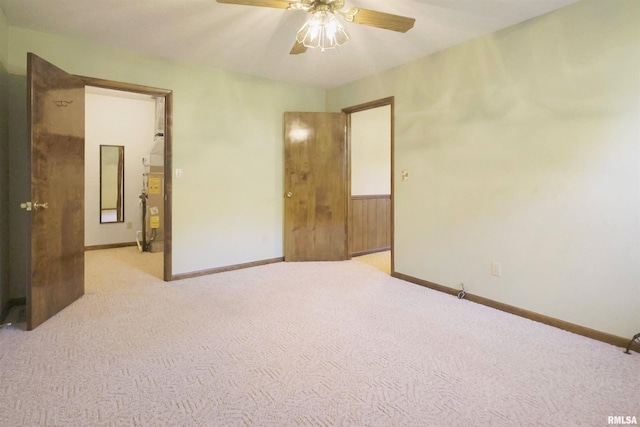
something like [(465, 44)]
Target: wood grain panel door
[(56, 120), (315, 227)]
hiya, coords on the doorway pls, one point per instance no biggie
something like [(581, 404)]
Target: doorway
[(164, 198), (370, 133), (54, 249), (323, 219)]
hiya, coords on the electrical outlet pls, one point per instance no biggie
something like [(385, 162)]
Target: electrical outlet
[(129, 225), (496, 268)]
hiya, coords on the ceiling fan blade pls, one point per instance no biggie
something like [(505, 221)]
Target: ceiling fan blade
[(298, 48), (280, 4), (383, 20)]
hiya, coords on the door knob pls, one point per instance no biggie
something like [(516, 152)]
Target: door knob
[(26, 206), (39, 205), (289, 194)]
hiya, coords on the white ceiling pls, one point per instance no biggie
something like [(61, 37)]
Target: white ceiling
[(257, 40)]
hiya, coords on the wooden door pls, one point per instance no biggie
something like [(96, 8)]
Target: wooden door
[(56, 119), (315, 226)]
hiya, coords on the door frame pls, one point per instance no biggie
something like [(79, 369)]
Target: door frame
[(168, 153), (390, 101)]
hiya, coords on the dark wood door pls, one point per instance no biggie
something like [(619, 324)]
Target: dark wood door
[(56, 119), (315, 164)]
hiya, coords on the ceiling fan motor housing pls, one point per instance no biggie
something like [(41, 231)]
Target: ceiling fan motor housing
[(313, 6)]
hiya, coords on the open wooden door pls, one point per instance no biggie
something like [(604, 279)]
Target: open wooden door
[(56, 120), (315, 162)]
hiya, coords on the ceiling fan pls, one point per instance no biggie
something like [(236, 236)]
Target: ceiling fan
[(323, 30)]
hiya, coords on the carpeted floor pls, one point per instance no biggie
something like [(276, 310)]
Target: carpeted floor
[(299, 344)]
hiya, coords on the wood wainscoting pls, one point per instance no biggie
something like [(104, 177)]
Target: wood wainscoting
[(370, 227)]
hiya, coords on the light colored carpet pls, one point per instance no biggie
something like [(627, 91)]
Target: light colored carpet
[(303, 344)]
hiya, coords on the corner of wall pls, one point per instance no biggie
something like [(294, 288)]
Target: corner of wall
[(326, 101), (4, 41)]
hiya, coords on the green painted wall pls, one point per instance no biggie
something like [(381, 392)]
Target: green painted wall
[(228, 206), (4, 170), (523, 148), (4, 37)]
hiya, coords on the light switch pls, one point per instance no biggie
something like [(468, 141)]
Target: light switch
[(178, 173)]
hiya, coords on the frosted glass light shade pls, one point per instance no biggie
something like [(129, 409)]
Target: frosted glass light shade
[(322, 30)]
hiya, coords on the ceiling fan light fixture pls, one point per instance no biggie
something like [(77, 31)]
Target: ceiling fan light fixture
[(322, 30)]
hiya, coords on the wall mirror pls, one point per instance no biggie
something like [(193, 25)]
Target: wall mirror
[(111, 183)]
